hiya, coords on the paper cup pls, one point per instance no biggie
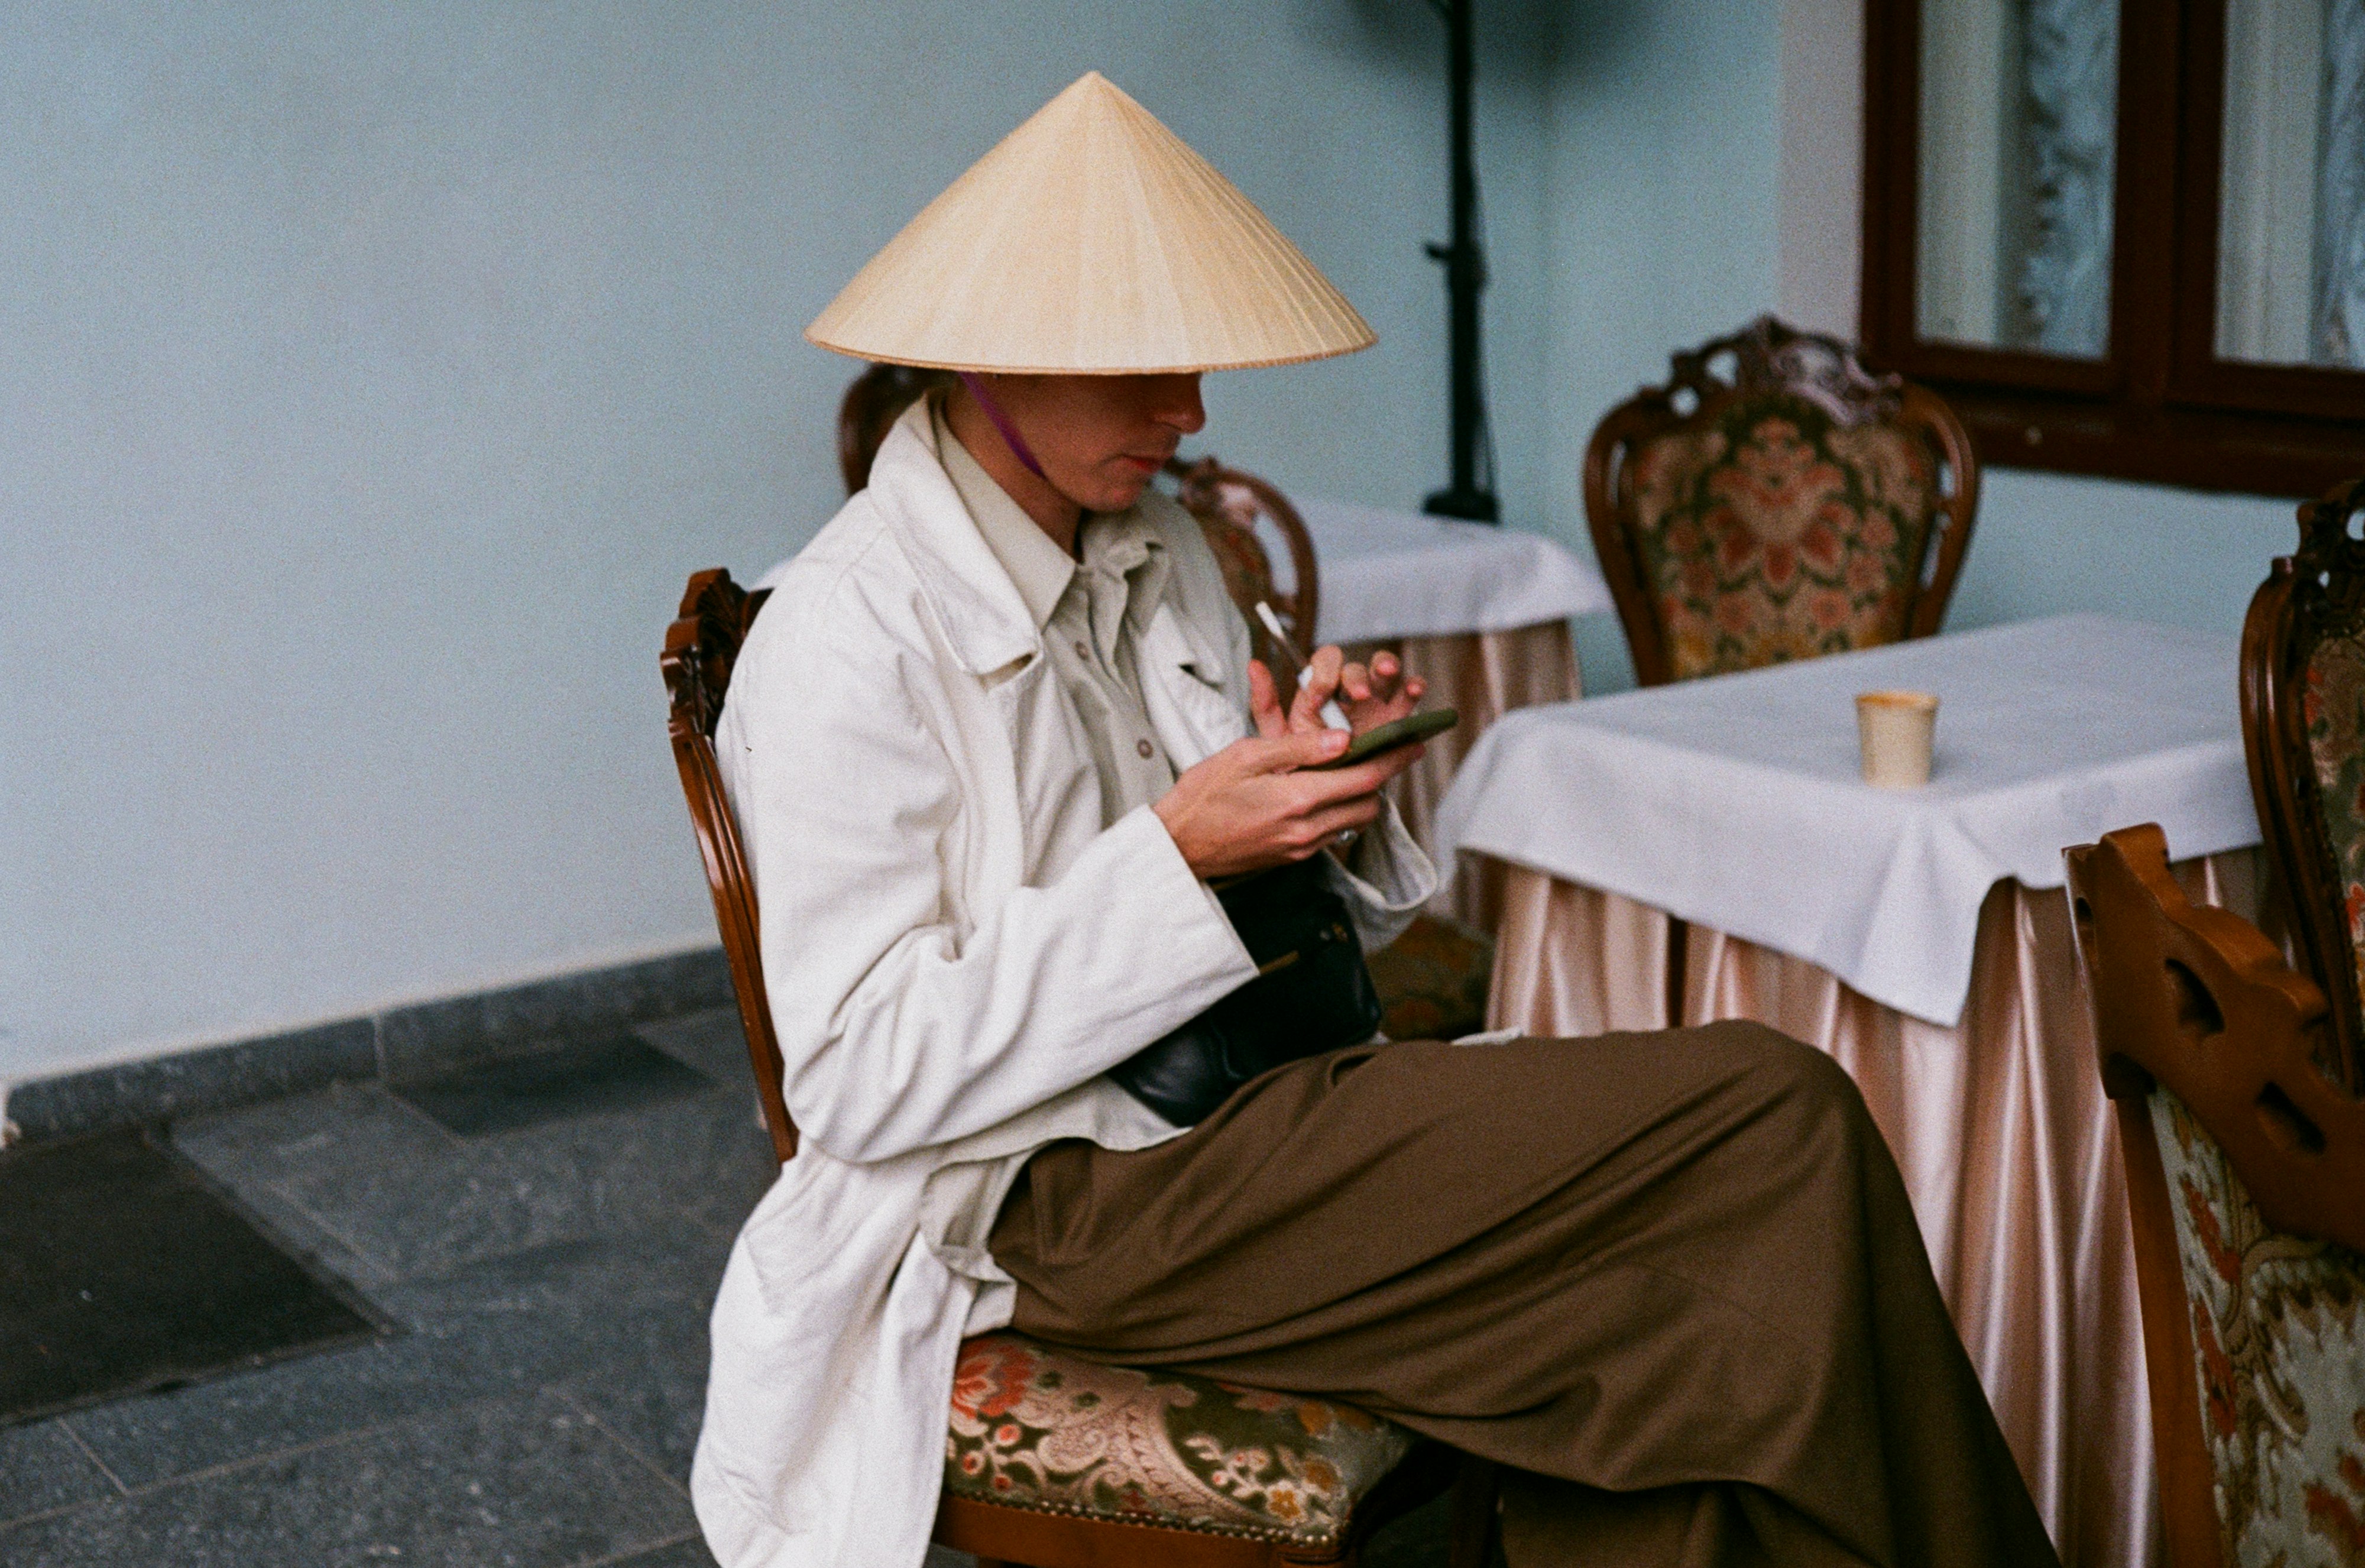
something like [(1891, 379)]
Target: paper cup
[(1894, 729)]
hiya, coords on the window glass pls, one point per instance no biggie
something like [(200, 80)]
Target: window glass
[(2290, 236), (2019, 140)]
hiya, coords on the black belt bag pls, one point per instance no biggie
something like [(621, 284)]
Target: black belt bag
[(1311, 994)]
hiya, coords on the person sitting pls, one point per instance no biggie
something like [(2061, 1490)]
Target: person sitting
[(998, 753)]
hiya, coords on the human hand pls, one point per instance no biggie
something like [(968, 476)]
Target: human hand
[(1371, 697), (1253, 805)]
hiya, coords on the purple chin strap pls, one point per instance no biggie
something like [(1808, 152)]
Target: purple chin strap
[(1008, 431)]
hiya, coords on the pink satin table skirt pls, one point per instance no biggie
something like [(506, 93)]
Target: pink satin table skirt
[(1999, 1125), (1485, 674)]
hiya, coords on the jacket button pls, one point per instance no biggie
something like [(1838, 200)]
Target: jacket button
[(1082, 652), (1143, 747)]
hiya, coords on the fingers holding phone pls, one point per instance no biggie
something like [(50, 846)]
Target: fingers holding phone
[(1389, 739), (1272, 798), (1378, 694), (1369, 695)]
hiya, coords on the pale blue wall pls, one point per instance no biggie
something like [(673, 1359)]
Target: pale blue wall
[(2047, 544), (1660, 221), (374, 371)]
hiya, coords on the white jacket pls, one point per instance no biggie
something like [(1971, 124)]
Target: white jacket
[(956, 949)]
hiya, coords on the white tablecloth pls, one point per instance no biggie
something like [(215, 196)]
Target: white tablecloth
[(1391, 573), (1736, 803)]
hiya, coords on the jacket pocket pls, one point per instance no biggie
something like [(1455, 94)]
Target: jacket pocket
[(1183, 688)]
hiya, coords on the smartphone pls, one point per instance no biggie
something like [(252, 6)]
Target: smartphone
[(1388, 737)]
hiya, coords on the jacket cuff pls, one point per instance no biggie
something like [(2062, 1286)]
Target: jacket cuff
[(1386, 876), (1206, 927)]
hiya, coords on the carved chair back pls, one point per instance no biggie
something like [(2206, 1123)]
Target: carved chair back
[(1230, 505), (1797, 507), (2246, 1182), (874, 401), (700, 649), (2304, 729)]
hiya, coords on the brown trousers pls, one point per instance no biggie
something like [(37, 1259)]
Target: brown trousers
[(1671, 1277)]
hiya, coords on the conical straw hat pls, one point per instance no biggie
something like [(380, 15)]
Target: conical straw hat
[(1091, 240)]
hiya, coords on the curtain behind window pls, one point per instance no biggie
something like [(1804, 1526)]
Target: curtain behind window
[(2290, 256), (2019, 144)]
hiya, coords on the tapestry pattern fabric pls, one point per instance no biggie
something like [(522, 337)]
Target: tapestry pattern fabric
[(2333, 707), (2279, 1358), (1035, 1427), (1432, 980), (1777, 533)]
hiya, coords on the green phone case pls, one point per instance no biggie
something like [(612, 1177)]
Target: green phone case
[(1388, 737)]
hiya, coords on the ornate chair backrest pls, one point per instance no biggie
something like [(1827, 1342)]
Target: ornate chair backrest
[(700, 650), (1229, 505), (1801, 507), (2304, 727), (2246, 1181), (875, 401)]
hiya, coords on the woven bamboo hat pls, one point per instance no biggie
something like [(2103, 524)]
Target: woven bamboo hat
[(1091, 240)]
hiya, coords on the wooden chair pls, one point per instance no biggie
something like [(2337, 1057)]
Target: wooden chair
[(872, 404), (2246, 1181), (1229, 504), (1801, 507), (1197, 1473), (2303, 728)]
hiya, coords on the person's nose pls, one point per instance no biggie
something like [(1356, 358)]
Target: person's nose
[(1181, 409)]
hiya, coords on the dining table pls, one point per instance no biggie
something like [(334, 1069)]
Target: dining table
[(1480, 612), (1709, 850)]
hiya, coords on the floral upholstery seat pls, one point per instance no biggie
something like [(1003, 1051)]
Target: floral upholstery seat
[(1034, 1426), (1776, 533), (1432, 980), (2278, 1352), (2333, 709)]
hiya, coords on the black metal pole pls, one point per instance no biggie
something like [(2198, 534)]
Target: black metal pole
[(1465, 275)]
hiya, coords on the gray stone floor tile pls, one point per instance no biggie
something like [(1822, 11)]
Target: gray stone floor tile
[(576, 1305), (426, 1038), (613, 1074), (692, 1554), (309, 1235), (258, 1151), (523, 1483), (622, 1331), (297, 1404), (41, 1468), (711, 1041), (623, 1319), (656, 1408), (413, 1200), (304, 1232), (356, 1125), (552, 1283)]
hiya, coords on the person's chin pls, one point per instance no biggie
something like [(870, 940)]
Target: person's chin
[(1119, 494)]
